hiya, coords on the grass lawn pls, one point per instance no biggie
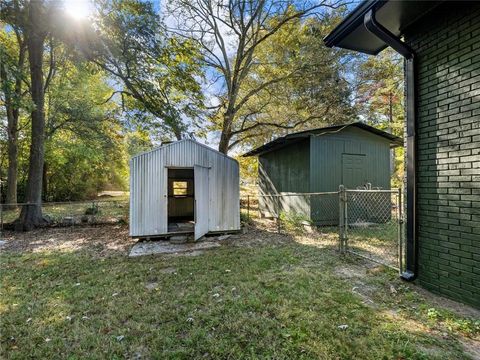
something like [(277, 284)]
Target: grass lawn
[(278, 297)]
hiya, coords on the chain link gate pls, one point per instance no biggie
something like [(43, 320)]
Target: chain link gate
[(371, 225), (365, 222)]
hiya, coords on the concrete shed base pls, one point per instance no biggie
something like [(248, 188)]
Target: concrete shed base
[(165, 247)]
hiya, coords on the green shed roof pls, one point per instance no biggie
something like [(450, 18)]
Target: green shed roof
[(298, 136)]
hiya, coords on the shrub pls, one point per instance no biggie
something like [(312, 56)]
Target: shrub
[(244, 219), (294, 222), (92, 210)]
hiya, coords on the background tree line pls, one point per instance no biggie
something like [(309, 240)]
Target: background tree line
[(79, 96)]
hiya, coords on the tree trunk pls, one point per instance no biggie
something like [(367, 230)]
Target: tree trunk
[(226, 135), (177, 132), (13, 112), (12, 137), (31, 215), (12, 161), (390, 130)]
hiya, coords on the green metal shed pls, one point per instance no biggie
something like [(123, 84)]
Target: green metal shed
[(320, 160)]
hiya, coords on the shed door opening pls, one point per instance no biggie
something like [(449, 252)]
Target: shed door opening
[(181, 200)]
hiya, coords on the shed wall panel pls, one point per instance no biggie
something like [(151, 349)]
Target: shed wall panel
[(326, 159), (327, 154), (281, 172)]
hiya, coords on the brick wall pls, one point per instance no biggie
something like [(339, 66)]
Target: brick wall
[(447, 44)]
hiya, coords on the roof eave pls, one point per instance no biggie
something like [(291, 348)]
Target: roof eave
[(350, 22), (275, 145), (281, 142), (395, 16)]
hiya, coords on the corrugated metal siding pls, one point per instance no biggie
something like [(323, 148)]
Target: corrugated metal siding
[(224, 185), (148, 187), (148, 201)]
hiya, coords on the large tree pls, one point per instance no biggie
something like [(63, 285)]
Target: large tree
[(36, 32), (230, 33), (33, 19), (314, 94), (380, 89), (159, 72)]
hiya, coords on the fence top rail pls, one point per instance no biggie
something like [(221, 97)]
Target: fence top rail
[(392, 191), (300, 194), (66, 202)]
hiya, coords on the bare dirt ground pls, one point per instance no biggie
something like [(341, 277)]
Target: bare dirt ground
[(108, 240), (100, 241)]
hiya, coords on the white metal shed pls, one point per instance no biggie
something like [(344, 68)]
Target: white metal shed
[(183, 187)]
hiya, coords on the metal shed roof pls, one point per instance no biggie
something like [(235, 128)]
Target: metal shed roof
[(298, 136), (393, 15), (175, 143)]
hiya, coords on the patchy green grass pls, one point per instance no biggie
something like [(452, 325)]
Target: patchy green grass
[(376, 241), (279, 301)]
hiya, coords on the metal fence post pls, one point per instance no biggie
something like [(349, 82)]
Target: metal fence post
[(248, 207), (71, 215), (1, 221), (400, 230), (95, 213), (277, 213), (258, 212), (341, 218)]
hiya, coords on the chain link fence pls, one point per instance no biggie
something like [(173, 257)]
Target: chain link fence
[(366, 222), (66, 216)]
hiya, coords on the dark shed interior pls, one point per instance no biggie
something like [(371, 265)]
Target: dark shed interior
[(181, 200)]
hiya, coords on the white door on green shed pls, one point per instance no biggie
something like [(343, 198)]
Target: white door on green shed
[(202, 199)]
